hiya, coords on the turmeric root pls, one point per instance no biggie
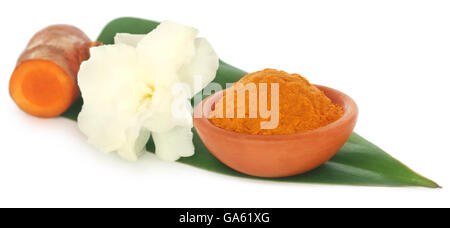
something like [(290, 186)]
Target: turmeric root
[(44, 82)]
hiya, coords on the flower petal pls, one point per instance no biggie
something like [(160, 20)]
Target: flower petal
[(202, 68), (169, 42), (111, 90), (137, 138), (166, 49), (128, 39), (169, 109), (174, 144)]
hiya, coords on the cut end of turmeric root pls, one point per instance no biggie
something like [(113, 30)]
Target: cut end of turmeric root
[(44, 82), (42, 88)]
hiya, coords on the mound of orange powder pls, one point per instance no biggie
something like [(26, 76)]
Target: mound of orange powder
[(302, 106)]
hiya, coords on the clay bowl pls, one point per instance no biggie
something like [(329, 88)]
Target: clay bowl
[(277, 155)]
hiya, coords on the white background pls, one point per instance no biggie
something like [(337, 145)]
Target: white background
[(392, 57)]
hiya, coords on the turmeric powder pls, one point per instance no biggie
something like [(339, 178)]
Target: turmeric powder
[(302, 106)]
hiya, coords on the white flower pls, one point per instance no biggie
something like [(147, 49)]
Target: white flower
[(131, 90)]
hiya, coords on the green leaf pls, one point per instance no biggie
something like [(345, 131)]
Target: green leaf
[(358, 162)]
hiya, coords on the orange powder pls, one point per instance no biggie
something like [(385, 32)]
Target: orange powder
[(302, 106)]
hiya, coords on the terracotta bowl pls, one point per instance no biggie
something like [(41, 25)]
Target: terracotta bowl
[(277, 155)]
